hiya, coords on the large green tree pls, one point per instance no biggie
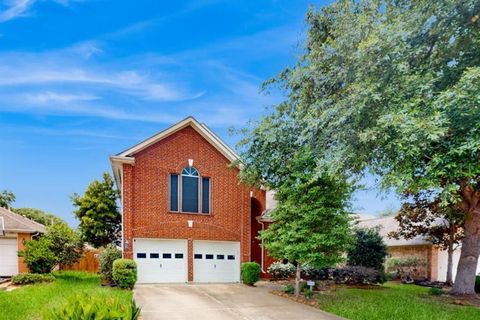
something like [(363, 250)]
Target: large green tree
[(38, 215), (393, 87), (97, 210)]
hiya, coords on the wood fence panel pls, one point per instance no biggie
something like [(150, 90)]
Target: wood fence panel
[(89, 262)]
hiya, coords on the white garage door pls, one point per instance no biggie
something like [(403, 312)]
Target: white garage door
[(8, 257), (216, 261), (161, 260)]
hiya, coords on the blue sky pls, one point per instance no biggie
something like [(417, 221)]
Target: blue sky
[(81, 80)]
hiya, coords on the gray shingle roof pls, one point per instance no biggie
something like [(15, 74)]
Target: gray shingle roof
[(16, 223), (387, 224)]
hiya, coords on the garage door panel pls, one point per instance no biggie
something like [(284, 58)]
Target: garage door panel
[(161, 260), (216, 261), (8, 257)]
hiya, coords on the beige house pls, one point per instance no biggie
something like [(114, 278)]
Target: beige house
[(14, 231), (434, 259)]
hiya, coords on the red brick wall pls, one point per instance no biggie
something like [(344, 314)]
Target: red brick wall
[(21, 238), (146, 195), (427, 255)]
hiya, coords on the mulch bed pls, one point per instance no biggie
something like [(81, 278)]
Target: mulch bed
[(312, 302)]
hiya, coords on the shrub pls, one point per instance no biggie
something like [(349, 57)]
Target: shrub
[(403, 268), (308, 293), (355, 275), (477, 284), (435, 291), (279, 270), (288, 288), (38, 255), (369, 251), (313, 273), (125, 273), (83, 306), (66, 244), (110, 254), (250, 273), (29, 278)]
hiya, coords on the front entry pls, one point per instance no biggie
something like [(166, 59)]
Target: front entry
[(216, 261)]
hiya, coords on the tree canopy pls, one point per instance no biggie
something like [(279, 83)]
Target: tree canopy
[(38, 215), (6, 199), (391, 88), (97, 210)]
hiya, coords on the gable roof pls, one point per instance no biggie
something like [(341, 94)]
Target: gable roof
[(12, 222), (128, 155)]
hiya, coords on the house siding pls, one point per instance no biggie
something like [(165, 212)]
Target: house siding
[(146, 196)]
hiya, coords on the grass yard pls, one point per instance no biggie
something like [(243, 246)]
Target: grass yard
[(394, 301), (30, 302)]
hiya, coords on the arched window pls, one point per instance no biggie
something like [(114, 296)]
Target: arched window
[(194, 192), (190, 189)]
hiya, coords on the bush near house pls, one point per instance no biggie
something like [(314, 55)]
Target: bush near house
[(38, 256), (280, 271), (125, 273), (80, 307), (250, 273), (369, 250), (29, 278), (107, 257)]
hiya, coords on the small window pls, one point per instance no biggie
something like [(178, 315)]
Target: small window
[(197, 256), (178, 255), (154, 256), (209, 256), (231, 257), (141, 255), (220, 257), (167, 256), (174, 192), (205, 195)]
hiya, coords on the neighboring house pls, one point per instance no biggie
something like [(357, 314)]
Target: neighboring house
[(186, 215), (14, 231), (434, 260)]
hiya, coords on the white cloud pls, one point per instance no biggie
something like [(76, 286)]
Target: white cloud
[(54, 97), (14, 9)]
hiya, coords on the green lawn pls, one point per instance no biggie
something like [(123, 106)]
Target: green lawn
[(394, 301), (30, 302)]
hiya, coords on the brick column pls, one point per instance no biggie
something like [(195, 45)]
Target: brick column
[(433, 264), (190, 260)]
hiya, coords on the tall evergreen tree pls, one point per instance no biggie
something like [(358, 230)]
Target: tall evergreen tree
[(97, 210)]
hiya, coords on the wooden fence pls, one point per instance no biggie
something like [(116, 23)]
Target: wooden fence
[(89, 262)]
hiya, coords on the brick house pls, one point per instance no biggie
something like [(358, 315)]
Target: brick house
[(185, 215), (433, 260), (14, 231)]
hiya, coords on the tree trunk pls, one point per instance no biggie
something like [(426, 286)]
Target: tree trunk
[(297, 280), (450, 259), (467, 265)]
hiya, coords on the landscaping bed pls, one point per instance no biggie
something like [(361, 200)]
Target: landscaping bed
[(33, 301)]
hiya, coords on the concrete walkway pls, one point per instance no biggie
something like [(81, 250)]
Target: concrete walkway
[(219, 301)]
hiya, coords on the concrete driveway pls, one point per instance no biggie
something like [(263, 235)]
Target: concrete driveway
[(219, 301)]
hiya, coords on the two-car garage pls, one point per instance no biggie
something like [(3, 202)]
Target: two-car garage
[(166, 261)]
